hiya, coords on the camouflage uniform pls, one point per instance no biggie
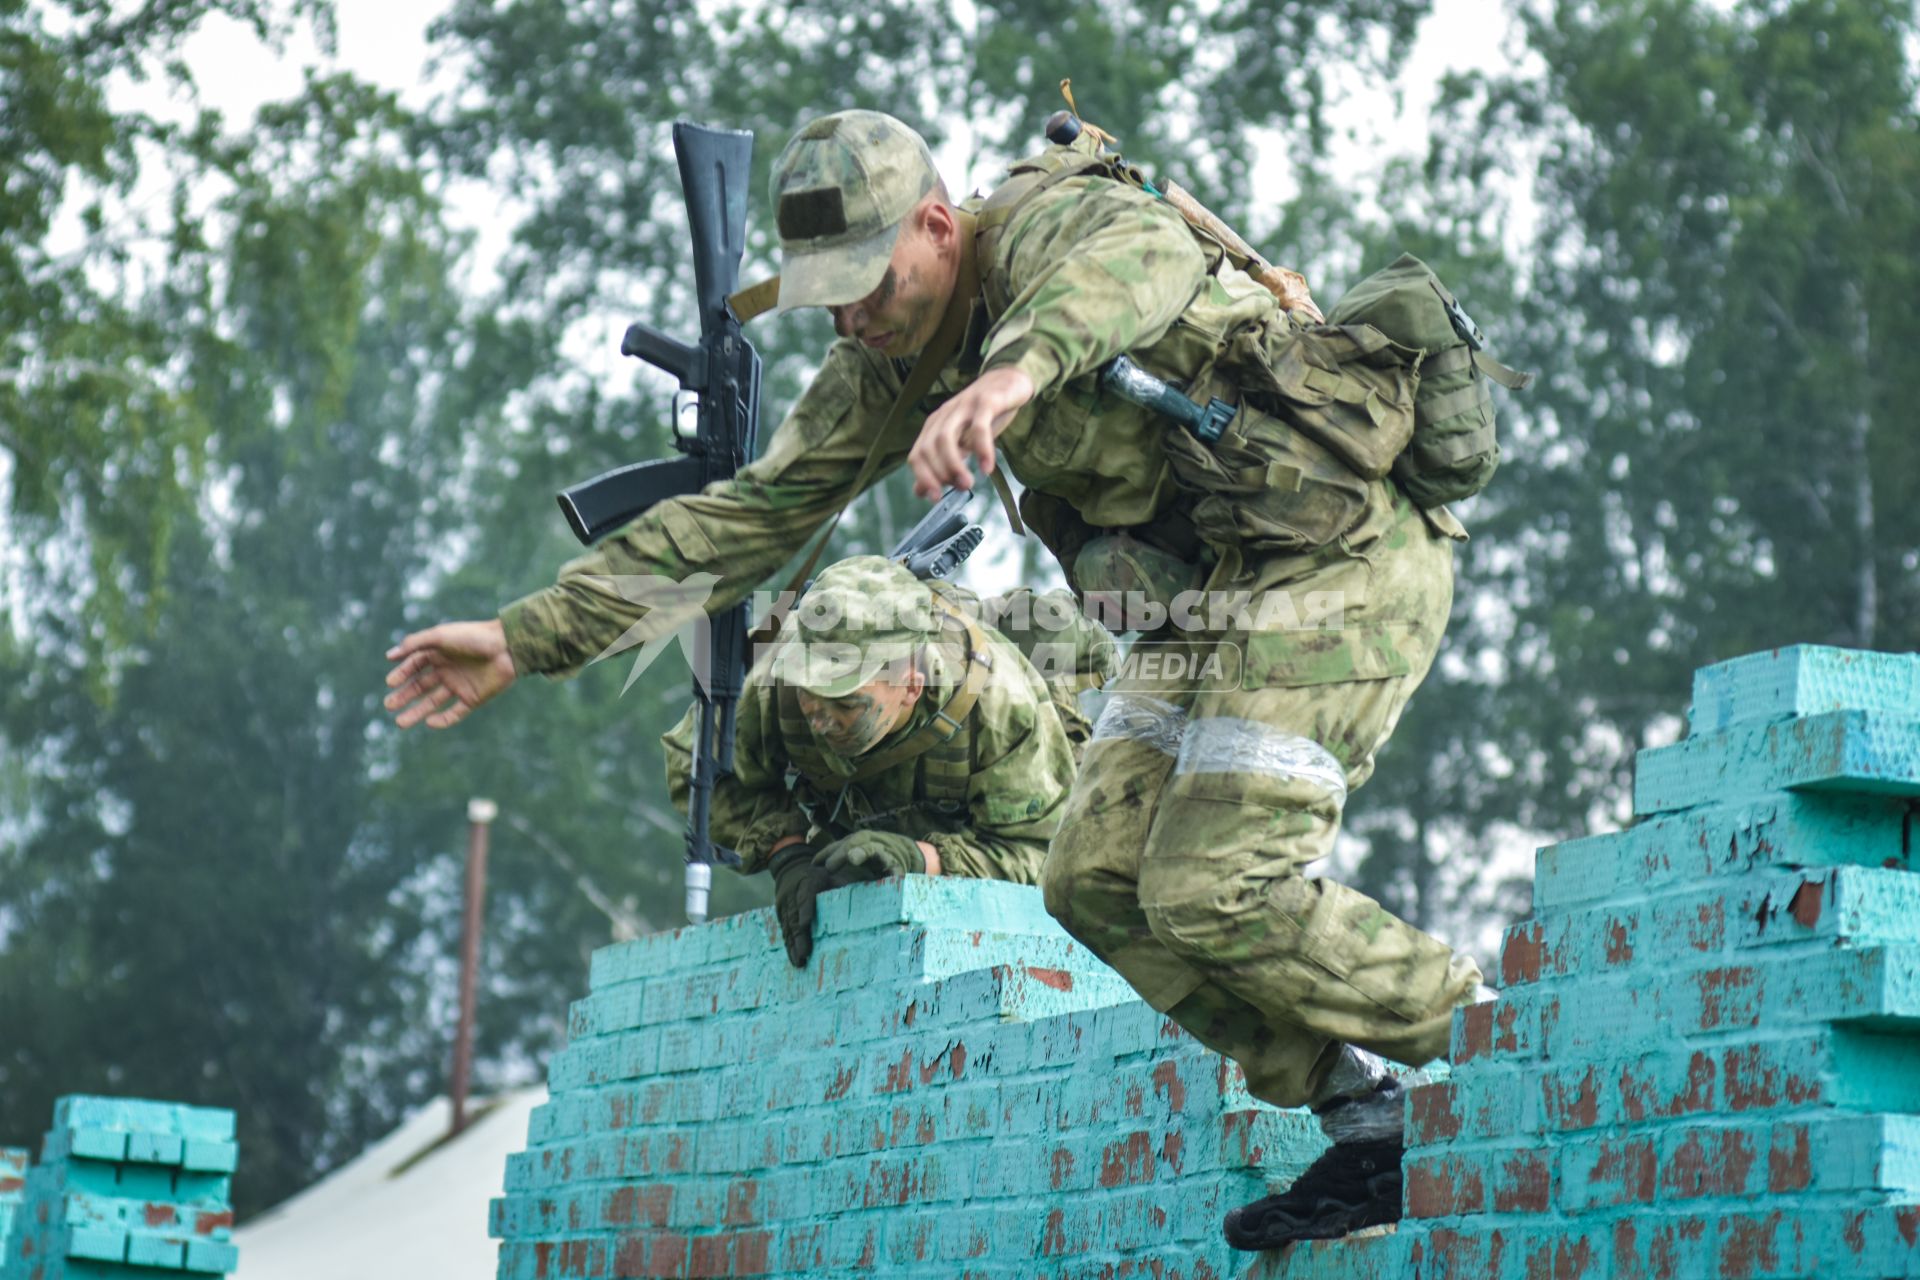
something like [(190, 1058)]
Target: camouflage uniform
[(994, 822), (1181, 859)]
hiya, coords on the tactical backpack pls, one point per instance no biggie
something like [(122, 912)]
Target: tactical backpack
[(1453, 452), (1344, 382)]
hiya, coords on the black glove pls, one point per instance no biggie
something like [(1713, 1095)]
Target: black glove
[(872, 855), (797, 881)]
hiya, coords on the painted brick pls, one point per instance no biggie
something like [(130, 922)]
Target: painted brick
[(1444, 1186), (1606, 1173), (1706, 1062), (1663, 1246), (1804, 680), (1719, 841), (1851, 752), (123, 1189)]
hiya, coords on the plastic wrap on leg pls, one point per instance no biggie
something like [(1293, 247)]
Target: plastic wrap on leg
[(1225, 744), (1153, 721), (1362, 1099), (1355, 1074)]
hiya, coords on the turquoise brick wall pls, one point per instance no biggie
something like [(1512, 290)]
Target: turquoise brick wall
[(1705, 1062), (13, 1182), (952, 1087), (1705, 1059), (124, 1189)]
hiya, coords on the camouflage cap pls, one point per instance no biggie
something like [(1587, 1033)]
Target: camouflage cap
[(859, 616), (841, 190)]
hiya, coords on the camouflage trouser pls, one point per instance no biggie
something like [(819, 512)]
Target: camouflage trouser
[(1181, 858)]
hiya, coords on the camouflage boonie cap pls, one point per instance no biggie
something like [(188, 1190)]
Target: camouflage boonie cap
[(860, 615), (841, 190)]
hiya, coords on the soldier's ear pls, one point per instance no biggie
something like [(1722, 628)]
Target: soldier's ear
[(938, 224)]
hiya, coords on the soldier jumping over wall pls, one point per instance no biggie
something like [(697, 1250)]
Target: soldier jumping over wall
[(1304, 476)]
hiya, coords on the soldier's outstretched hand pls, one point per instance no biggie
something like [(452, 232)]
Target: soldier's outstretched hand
[(443, 673), (965, 426)]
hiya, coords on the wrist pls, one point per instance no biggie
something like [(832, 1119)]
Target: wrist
[(788, 853), (526, 633), (504, 661)]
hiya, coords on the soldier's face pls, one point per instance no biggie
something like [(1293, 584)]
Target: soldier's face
[(855, 724), (899, 317)]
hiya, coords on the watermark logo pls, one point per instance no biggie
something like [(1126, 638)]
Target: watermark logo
[(1190, 642), (1175, 667), (676, 609)]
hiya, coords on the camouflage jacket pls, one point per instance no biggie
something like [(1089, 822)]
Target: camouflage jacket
[(1087, 269), (1018, 770)]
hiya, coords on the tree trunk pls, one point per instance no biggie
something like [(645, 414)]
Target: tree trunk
[(1860, 459)]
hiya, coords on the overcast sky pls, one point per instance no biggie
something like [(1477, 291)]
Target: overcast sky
[(385, 41)]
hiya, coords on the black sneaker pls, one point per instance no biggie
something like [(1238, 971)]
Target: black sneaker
[(1352, 1185)]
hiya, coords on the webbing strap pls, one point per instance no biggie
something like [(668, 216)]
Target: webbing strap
[(1004, 491), (1450, 360), (1454, 359), (1511, 379), (1342, 387), (1460, 400), (1450, 450), (995, 213), (920, 379), (755, 300)]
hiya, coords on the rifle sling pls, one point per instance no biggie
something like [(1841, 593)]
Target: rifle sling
[(755, 300)]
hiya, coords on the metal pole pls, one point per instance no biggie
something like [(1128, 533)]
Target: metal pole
[(480, 813)]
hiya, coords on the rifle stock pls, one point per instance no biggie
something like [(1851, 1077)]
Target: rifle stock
[(714, 165)]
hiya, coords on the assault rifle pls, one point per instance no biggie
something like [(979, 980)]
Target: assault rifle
[(722, 375), (942, 538)]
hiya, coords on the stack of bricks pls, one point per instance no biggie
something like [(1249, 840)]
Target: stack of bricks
[(126, 1189), (13, 1180), (1705, 1061), (952, 1087)]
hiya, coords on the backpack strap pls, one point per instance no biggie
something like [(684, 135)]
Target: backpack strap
[(1474, 349)]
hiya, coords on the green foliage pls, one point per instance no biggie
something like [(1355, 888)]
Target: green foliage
[(208, 901), (1719, 299), (249, 442), (102, 447)]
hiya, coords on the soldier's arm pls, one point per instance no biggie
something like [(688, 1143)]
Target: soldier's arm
[(1097, 268), (752, 808), (1022, 770), (738, 531)]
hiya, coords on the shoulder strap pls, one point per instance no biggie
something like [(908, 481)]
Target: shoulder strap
[(755, 300)]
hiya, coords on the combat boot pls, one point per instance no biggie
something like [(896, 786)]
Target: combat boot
[(1352, 1185)]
